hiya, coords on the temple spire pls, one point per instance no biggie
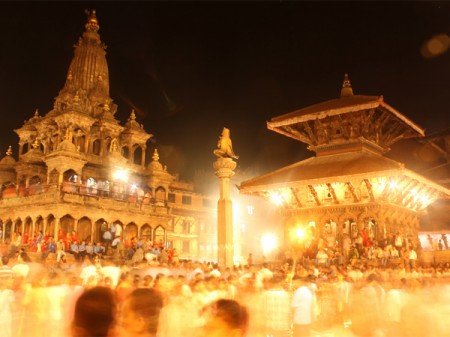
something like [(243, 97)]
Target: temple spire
[(155, 156), (88, 76), (132, 115), (92, 24), (346, 87)]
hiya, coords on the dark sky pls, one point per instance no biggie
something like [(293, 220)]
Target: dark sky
[(191, 68)]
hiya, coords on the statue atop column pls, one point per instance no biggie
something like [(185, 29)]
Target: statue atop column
[(225, 147), (224, 167)]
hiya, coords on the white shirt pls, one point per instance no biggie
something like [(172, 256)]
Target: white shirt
[(412, 254), (118, 230), (303, 304), (21, 269)]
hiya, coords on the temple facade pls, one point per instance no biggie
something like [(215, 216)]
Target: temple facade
[(79, 169), (350, 186)]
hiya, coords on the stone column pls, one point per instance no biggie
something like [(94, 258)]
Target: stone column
[(144, 149), (225, 170), (44, 230), (56, 228)]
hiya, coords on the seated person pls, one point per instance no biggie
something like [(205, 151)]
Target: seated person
[(98, 250)]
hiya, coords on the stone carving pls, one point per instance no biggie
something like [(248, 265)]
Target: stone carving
[(114, 147), (225, 147)]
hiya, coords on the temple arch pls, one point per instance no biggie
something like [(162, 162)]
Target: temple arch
[(67, 224), (8, 229), (84, 228), (97, 147), (35, 185), (9, 190), (160, 194), (137, 155), (125, 152), (146, 232), (100, 227), (131, 231), (27, 230), (39, 224), (159, 236), (18, 226), (51, 226)]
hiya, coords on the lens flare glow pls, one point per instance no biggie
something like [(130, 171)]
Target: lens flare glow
[(120, 174), (268, 242), (276, 198)]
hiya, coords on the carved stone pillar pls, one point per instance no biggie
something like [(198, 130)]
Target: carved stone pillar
[(144, 149), (33, 228), (225, 170), (56, 228), (45, 226)]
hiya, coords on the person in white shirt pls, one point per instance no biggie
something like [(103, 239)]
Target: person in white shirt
[(118, 230), (412, 256), (21, 269), (303, 304)]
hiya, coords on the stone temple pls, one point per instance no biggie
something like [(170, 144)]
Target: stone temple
[(79, 168), (350, 185)]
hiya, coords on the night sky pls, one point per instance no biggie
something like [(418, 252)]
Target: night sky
[(191, 68)]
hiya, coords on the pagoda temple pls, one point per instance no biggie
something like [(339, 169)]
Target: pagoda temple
[(78, 169), (350, 185)]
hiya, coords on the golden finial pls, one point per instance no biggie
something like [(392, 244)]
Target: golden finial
[(132, 115), (155, 156), (36, 113), (69, 76), (92, 23), (9, 151), (346, 87), (76, 98), (106, 107)]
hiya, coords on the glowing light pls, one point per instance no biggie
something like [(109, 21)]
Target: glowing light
[(414, 192), (268, 242), (120, 174), (276, 198), (393, 185), (424, 199), (300, 233)]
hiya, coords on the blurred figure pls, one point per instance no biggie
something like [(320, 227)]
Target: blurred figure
[(224, 318), (95, 311), (6, 298), (303, 303), (139, 314), (277, 312)]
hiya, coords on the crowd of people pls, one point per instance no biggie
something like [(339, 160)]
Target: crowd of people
[(148, 295)]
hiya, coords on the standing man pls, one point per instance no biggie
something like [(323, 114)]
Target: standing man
[(303, 304), (107, 237), (277, 314), (412, 256), (60, 250)]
